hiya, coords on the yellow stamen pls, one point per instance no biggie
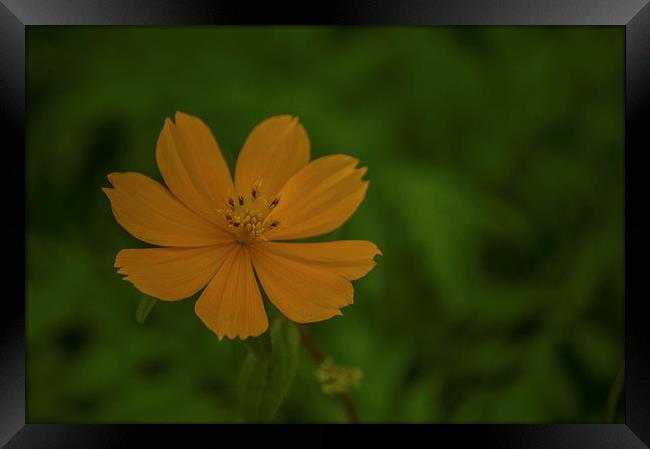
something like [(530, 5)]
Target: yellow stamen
[(248, 215)]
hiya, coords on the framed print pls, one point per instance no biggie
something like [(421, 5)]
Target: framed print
[(432, 214)]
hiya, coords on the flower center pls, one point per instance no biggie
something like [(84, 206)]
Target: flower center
[(247, 214)]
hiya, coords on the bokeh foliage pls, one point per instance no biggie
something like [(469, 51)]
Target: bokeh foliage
[(496, 164)]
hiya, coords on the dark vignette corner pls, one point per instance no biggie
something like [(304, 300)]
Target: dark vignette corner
[(12, 317), (637, 223), (12, 108)]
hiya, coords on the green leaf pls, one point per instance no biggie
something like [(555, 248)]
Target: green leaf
[(145, 306), (260, 346), (267, 372)]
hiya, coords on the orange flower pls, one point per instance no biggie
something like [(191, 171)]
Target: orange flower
[(214, 232)]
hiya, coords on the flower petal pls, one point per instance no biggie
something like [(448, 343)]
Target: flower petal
[(149, 212), (193, 167), (352, 259), (275, 149), (303, 292), (171, 274), (319, 198), (231, 304)]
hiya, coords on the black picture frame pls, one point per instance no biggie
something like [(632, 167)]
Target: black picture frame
[(633, 15)]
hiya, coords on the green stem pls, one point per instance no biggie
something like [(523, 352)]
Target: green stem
[(318, 356), (615, 395)]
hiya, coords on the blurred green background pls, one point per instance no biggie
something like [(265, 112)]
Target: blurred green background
[(496, 164)]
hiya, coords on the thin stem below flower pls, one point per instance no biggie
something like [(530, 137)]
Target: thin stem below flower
[(318, 356), (615, 395)]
